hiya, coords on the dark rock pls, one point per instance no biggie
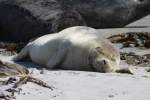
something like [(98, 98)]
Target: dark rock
[(21, 20)]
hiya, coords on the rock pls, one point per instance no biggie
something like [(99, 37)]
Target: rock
[(21, 20)]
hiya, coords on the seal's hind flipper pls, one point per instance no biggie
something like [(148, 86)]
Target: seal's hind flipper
[(24, 53)]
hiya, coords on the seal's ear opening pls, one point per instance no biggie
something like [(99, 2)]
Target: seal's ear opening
[(99, 49)]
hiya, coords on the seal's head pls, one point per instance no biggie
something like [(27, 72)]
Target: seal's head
[(105, 57)]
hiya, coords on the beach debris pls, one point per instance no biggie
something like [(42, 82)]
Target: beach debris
[(132, 39), (17, 75), (137, 60), (10, 48)]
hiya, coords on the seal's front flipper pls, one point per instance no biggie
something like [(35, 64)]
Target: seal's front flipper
[(125, 70)]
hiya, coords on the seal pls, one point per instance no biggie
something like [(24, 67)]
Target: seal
[(75, 48), (22, 20)]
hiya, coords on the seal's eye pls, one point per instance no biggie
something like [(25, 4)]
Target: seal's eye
[(104, 62)]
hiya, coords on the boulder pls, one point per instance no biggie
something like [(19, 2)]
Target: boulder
[(21, 20)]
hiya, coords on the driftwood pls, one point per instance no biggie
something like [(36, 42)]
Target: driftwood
[(13, 71)]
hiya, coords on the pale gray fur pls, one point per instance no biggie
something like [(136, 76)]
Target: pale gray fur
[(75, 48)]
